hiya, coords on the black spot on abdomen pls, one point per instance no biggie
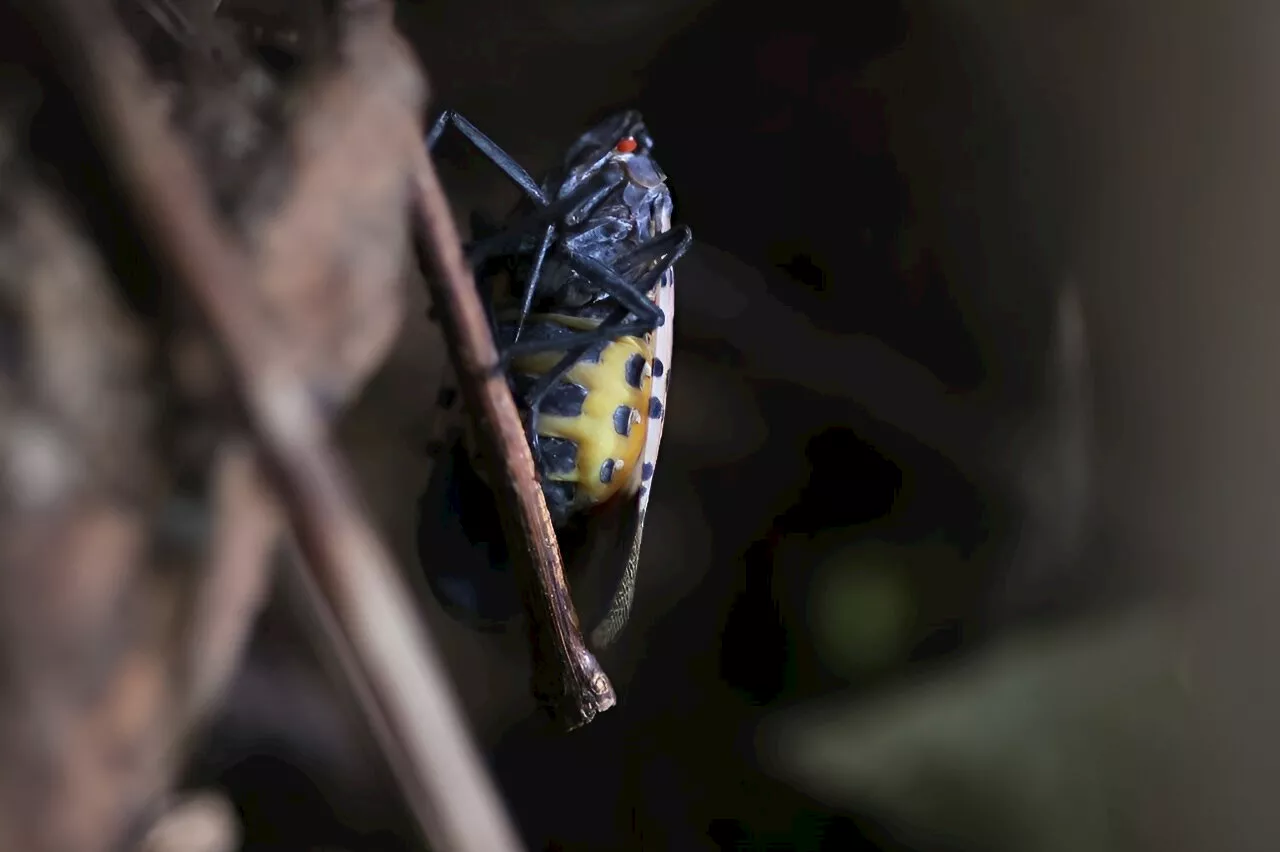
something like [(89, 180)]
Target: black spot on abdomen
[(635, 370), (622, 420)]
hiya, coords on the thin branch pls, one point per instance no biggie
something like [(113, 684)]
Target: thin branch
[(408, 695), (235, 583), (567, 676)]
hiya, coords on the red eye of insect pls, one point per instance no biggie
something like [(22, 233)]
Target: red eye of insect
[(626, 146)]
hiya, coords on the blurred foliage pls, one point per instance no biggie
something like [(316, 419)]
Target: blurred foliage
[(1044, 743), (861, 610)]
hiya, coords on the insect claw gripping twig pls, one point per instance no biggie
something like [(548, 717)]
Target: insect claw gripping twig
[(568, 678)]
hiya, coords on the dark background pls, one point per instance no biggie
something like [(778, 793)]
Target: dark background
[(876, 469)]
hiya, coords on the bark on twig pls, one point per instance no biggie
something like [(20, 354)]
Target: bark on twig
[(567, 676), (408, 697)]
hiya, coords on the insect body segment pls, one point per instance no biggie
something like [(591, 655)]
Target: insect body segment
[(591, 427)]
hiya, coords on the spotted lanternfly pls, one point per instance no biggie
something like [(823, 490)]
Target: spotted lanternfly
[(581, 287)]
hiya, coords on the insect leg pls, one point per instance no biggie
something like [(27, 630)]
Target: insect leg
[(668, 248), (537, 393), (582, 198), (607, 330), (613, 325), (610, 282), (591, 201), (490, 149), (512, 234), (589, 195), (632, 297)]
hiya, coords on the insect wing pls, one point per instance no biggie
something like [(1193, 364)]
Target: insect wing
[(628, 531), (461, 548)]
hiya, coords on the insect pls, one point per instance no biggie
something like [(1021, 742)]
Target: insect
[(581, 286)]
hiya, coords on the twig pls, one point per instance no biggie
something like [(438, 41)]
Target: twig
[(413, 708), (235, 583), (567, 676)]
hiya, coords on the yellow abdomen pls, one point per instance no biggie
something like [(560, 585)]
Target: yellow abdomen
[(610, 431)]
